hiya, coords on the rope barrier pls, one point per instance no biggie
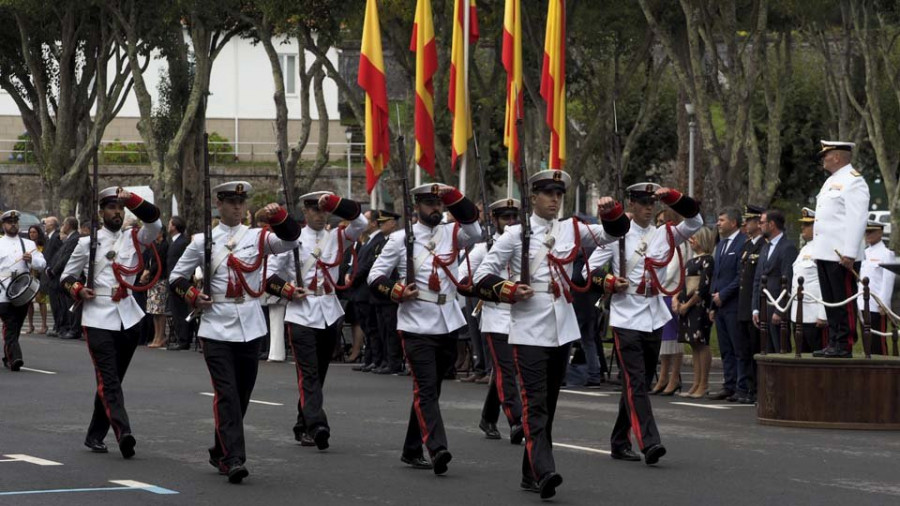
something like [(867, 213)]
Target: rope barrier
[(895, 319)]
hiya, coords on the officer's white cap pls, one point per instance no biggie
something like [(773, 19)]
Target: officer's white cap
[(232, 189), (550, 180)]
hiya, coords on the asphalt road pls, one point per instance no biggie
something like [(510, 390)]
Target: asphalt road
[(718, 454)]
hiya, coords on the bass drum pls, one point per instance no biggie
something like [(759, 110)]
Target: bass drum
[(22, 289)]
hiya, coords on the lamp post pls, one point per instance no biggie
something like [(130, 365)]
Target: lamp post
[(349, 135), (692, 129)]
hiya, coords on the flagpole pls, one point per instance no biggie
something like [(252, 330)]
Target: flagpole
[(418, 175), (467, 12)]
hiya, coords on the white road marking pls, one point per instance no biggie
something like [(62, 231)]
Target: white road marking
[(254, 401), (37, 370), (706, 406), (18, 457), (590, 394), (582, 448)]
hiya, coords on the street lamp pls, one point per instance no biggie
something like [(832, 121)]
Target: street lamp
[(349, 135), (692, 129)]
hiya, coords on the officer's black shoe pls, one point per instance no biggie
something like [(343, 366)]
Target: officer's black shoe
[(548, 485), (320, 437), (70, 335), (440, 461), (382, 370), (720, 395), (749, 399), (16, 364), (833, 353), (823, 352), (96, 446), (627, 455), (369, 368), (653, 454), (529, 485), (307, 440), (360, 367), (417, 462), (489, 429), (237, 472), (516, 434), (126, 445), (735, 397), (52, 333)]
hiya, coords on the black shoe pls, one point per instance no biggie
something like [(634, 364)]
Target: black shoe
[(52, 333), (823, 352), (516, 434), (595, 384), (16, 364), (720, 395), (179, 347), (417, 462), (369, 368), (70, 335), (832, 353), (237, 472), (359, 368), (306, 440), (126, 445), (529, 485), (489, 429), (548, 485), (653, 454), (627, 455), (749, 399), (382, 370), (440, 461), (401, 372), (320, 437), (96, 446), (735, 397)]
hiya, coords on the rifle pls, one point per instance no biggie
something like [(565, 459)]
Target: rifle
[(95, 220), (620, 189), (407, 208), (488, 225), (289, 203), (207, 220), (524, 212)]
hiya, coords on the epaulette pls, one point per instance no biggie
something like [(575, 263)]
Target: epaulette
[(855, 173)]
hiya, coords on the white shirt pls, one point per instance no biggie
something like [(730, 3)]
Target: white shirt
[(101, 312), (229, 321), (633, 311), (316, 311), (881, 280), (772, 243), (11, 262), (494, 317), (841, 216), (805, 267), (544, 319), (419, 316)]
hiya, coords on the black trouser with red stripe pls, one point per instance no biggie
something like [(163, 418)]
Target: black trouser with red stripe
[(12, 328), (232, 369), (637, 352), (312, 349), (838, 284), (429, 358), (748, 344), (502, 391), (879, 343), (540, 371), (111, 354)]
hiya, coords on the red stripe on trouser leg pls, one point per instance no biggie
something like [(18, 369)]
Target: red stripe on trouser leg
[(299, 367), (216, 418), (498, 378), (417, 407), (529, 442), (629, 397), (851, 316), (100, 385)]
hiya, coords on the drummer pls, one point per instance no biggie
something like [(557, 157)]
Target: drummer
[(18, 257)]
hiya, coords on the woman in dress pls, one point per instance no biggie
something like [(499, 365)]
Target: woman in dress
[(36, 234), (157, 295), (692, 306)]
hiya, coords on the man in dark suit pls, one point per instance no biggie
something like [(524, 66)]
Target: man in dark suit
[(181, 329), (70, 322), (52, 247), (386, 310), (365, 312), (776, 260), (725, 289), (748, 334)]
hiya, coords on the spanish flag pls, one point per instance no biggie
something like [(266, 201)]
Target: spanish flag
[(371, 79), (423, 45), (458, 100), (553, 81), (512, 62)]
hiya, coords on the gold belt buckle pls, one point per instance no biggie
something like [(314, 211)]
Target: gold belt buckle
[(442, 298), (239, 300)]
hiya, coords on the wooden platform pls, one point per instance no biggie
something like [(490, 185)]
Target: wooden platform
[(825, 393)]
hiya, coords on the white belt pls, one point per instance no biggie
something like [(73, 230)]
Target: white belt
[(220, 297), (318, 292), (541, 287), (429, 296), (107, 291)]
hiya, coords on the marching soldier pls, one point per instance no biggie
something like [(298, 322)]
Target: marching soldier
[(314, 313), (494, 326), (841, 216), (748, 334), (814, 322), (881, 282), (542, 319), (637, 310), (110, 316), (429, 315), (231, 321), (17, 256)]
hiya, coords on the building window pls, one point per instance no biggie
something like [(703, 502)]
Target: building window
[(289, 69)]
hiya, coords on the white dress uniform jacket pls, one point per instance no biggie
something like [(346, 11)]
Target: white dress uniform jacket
[(231, 321), (544, 319), (494, 315), (841, 216), (102, 312), (881, 280), (316, 311), (11, 262), (633, 311), (805, 267), (419, 316)]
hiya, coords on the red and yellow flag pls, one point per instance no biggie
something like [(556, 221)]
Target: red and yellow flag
[(423, 45), (512, 62), (458, 100), (553, 81), (371, 79)]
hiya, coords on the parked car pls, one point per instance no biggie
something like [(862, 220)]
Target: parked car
[(882, 217)]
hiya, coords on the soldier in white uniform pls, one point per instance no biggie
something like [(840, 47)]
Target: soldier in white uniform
[(429, 315), (637, 310), (814, 320), (17, 256), (110, 315), (314, 313), (841, 216), (542, 319), (494, 326), (232, 320), (881, 282)]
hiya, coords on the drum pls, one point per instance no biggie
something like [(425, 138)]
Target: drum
[(22, 289)]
